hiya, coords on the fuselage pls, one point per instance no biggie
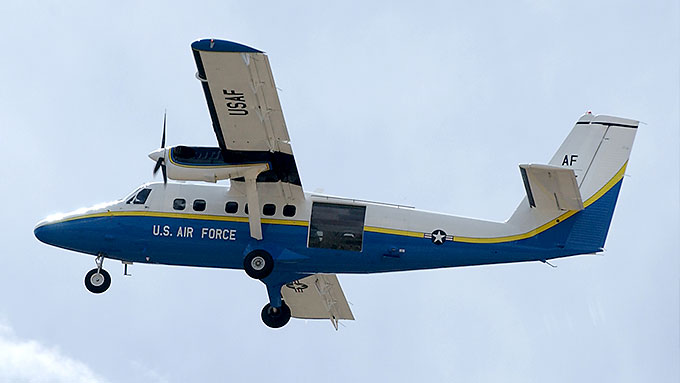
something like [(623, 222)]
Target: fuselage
[(207, 226)]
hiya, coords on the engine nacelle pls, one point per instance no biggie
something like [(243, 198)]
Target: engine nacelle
[(192, 163)]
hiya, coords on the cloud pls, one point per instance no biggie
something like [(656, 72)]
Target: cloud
[(30, 361), (148, 374)]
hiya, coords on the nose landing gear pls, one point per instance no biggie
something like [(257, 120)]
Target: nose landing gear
[(98, 280)]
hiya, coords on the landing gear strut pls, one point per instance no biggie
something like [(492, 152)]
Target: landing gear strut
[(276, 317), (98, 280)]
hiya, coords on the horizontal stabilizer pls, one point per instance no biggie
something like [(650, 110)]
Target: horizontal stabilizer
[(551, 187), (317, 296)]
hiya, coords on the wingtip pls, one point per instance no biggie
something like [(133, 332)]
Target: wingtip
[(215, 45)]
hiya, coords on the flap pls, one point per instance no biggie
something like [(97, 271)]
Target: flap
[(317, 296), (551, 187)]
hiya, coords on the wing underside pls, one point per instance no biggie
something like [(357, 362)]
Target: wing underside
[(317, 296)]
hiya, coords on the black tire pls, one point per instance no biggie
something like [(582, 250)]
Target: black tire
[(96, 282), (258, 264), (276, 318)]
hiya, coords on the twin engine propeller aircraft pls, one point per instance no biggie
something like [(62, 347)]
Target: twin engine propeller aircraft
[(296, 242)]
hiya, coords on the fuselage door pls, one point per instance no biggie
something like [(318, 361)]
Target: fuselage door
[(336, 226)]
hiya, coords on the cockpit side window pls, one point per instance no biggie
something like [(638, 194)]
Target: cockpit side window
[(141, 197)]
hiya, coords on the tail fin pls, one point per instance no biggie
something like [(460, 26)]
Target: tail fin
[(597, 150)]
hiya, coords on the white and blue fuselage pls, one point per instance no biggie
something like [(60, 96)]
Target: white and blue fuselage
[(394, 237)]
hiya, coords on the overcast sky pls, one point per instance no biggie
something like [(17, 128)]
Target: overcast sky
[(426, 104)]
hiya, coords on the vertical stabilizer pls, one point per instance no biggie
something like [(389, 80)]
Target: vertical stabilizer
[(597, 151)]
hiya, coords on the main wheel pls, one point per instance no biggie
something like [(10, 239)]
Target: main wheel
[(276, 317), (258, 264), (97, 281)]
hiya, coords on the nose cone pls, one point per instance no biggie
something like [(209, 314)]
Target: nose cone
[(79, 230), (49, 233), (82, 236), (156, 154)]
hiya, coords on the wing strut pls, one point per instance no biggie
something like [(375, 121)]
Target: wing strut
[(250, 173), (253, 206)]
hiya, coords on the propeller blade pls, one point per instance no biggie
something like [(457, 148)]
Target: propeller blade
[(160, 162), (163, 139), (158, 165), (165, 174)]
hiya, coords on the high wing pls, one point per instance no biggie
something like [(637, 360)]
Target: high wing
[(245, 111), (317, 296)]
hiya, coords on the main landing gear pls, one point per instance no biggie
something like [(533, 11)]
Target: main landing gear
[(276, 317), (259, 264), (98, 280)]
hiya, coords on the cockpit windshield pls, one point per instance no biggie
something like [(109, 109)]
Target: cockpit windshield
[(140, 197)]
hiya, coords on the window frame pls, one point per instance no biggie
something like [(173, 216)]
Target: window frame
[(231, 203), (174, 204), (268, 206), (288, 207), (199, 200)]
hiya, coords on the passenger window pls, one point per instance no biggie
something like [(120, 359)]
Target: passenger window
[(179, 204), (231, 207), (199, 205), (140, 198), (289, 210), (245, 210), (334, 226), (269, 209)]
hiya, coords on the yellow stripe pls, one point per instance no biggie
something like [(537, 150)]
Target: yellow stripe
[(617, 177), (393, 231), (284, 222), (186, 216)]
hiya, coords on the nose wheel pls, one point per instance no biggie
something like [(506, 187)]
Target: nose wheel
[(276, 317), (98, 280)]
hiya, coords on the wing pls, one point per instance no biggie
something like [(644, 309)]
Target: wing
[(317, 296), (245, 110)]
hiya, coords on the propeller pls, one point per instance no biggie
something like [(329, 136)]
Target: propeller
[(160, 163)]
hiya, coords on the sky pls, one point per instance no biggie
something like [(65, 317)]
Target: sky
[(429, 104)]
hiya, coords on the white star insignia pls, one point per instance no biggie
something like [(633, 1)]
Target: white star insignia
[(438, 237)]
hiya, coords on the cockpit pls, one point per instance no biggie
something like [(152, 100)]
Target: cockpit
[(139, 196)]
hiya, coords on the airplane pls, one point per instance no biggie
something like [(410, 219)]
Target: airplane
[(296, 242)]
